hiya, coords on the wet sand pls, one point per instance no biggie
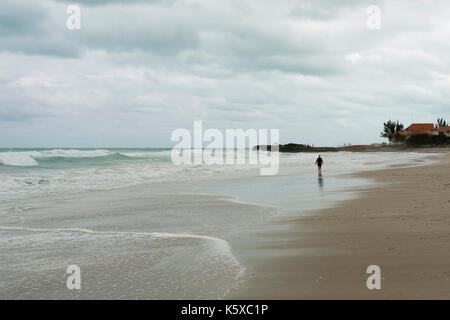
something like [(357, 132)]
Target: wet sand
[(402, 225)]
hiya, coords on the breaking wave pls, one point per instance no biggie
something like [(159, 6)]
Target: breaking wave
[(34, 158)]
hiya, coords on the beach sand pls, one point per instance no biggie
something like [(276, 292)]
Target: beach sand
[(402, 225)]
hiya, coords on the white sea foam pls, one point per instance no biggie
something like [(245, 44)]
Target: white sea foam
[(72, 153), (22, 159), (221, 245), (156, 263), (146, 154)]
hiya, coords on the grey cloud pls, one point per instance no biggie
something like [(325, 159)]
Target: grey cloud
[(28, 27), (19, 17), (45, 46)]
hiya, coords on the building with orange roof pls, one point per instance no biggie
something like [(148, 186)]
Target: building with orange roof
[(445, 130), (421, 128)]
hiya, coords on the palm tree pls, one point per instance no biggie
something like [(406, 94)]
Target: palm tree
[(399, 126), (390, 128), (440, 123)]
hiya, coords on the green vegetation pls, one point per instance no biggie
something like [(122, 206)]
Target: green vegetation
[(295, 147), (423, 140), (397, 137), (391, 129), (441, 123)]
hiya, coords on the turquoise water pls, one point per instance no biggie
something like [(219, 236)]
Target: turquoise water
[(17, 159)]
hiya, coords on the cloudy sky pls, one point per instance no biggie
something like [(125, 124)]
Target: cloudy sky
[(137, 70)]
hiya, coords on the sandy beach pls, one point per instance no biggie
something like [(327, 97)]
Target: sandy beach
[(402, 225)]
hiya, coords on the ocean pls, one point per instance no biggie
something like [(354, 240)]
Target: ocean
[(139, 226)]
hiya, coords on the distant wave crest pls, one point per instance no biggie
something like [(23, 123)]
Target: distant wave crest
[(20, 159), (32, 158)]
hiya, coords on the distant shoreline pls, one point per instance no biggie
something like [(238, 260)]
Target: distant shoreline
[(294, 147)]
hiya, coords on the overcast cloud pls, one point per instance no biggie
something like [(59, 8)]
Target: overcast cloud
[(137, 70)]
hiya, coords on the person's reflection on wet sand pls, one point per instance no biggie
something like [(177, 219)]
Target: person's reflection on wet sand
[(320, 180)]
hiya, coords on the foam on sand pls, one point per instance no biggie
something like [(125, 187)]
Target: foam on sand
[(116, 264)]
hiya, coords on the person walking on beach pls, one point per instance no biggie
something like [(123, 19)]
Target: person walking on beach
[(319, 163)]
